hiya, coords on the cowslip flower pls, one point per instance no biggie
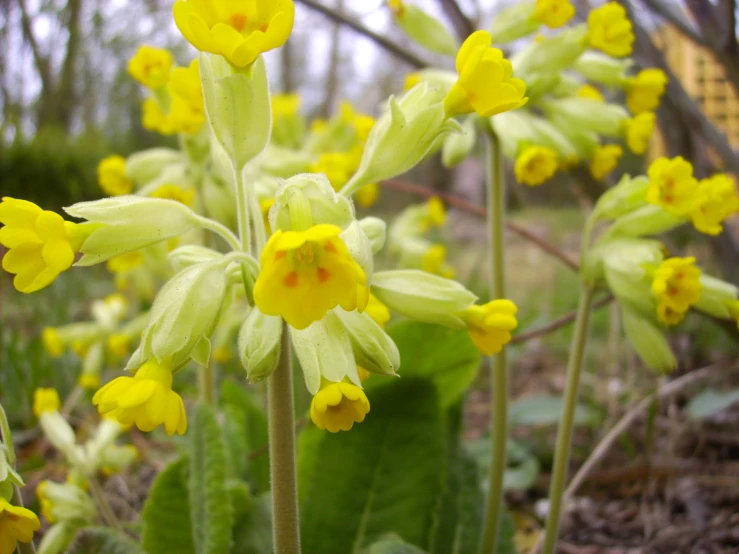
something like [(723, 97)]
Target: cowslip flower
[(367, 196), (285, 106), (173, 192), (145, 400), (377, 311), (16, 525), (716, 200), (42, 244), (644, 90), (604, 160), (610, 30), (676, 284), (337, 166), (590, 92), (45, 400), (151, 66), (490, 325), (486, 84), (536, 165), (305, 274), (337, 406), (553, 13), (639, 130), (53, 343), (434, 214), (125, 262), (112, 176), (434, 261), (238, 31), (672, 185)]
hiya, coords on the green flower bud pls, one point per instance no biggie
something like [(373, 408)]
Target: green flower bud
[(61, 435), (648, 220), (67, 503), (376, 231), (514, 23), (515, 130), (191, 254), (238, 106), (623, 264), (175, 173), (309, 199), (325, 350), (57, 538), (374, 350), (457, 146), (601, 68), (116, 458), (551, 136), (145, 166), (626, 197), (422, 296), (552, 55), (426, 30), (648, 341), (7, 473), (219, 201), (598, 117), (716, 297), (285, 162), (405, 134), (126, 223), (259, 344), (359, 247)]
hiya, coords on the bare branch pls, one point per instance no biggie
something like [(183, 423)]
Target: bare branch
[(42, 63), (461, 23), (676, 18)]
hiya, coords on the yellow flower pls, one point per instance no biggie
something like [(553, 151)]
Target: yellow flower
[(397, 7), (363, 374), (363, 124), (125, 262), (173, 192), (16, 525), (644, 91), (145, 400), (112, 176), (119, 344), (676, 283), (377, 311), (639, 130), (337, 166), (264, 206), (45, 400), (536, 165), (41, 243), (486, 84), (434, 261), (337, 406), (89, 381), (285, 106), (185, 85), (610, 30), (306, 273), (367, 195), (411, 80), (672, 185), (716, 200), (153, 117), (52, 342), (604, 160), (435, 214), (490, 325), (47, 506), (80, 348), (151, 66), (553, 13), (590, 92), (238, 30), (221, 355)]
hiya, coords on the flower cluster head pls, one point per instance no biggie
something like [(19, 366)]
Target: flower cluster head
[(604, 160), (16, 525), (610, 30), (535, 165), (716, 200), (639, 130), (676, 284), (672, 185), (553, 13), (645, 90)]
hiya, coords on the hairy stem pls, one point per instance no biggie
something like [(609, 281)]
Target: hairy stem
[(285, 527), (499, 369), (220, 230), (103, 505)]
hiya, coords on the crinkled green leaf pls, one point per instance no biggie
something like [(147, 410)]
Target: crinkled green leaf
[(103, 540), (253, 528)]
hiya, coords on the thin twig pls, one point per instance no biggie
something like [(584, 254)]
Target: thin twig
[(462, 24), (465, 206), (395, 49)]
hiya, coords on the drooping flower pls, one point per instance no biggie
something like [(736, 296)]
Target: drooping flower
[(367, 196), (672, 185), (125, 262), (610, 30), (604, 160), (434, 261), (119, 344), (490, 325), (590, 92), (151, 66), (305, 274), (53, 343), (173, 192), (16, 525), (89, 381), (536, 165), (639, 130), (411, 80), (644, 91), (285, 106), (41, 243), (486, 84), (145, 400), (45, 400), (553, 13), (434, 215), (239, 31), (337, 406), (676, 283), (397, 7), (112, 176), (377, 311), (337, 166), (716, 200)]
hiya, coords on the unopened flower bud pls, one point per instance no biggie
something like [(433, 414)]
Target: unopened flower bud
[(374, 350), (306, 200), (259, 344), (145, 166), (376, 231), (425, 29), (648, 341)]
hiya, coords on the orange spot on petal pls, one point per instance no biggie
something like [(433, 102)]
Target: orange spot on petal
[(238, 21), (281, 254), (329, 247), (291, 281), (323, 275)]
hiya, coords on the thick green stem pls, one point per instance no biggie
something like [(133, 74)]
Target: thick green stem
[(206, 382), (498, 369), (285, 526), (104, 506), (567, 419)]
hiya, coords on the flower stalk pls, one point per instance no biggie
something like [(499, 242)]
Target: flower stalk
[(498, 369), (105, 508), (285, 527)]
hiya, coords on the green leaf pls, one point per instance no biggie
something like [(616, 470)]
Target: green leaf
[(210, 505), (710, 402), (166, 514), (253, 529), (257, 434), (446, 356), (506, 542), (546, 410), (385, 475), (103, 540), (393, 545), (234, 430)]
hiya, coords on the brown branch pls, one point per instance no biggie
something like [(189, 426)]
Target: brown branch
[(479, 211), (461, 23), (42, 63), (675, 18), (395, 49)]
